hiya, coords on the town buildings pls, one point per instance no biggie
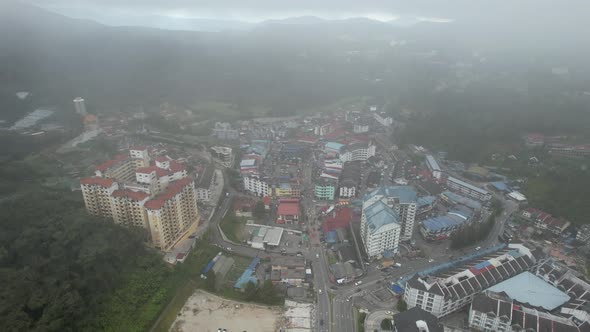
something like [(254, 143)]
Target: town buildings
[(325, 189), (493, 311), (80, 106), (224, 155), (383, 118), (224, 131), (134, 190), (454, 289), (433, 167), (207, 180), (403, 200), (257, 186), (380, 228), (357, 152), (468, 189), (288, 211)]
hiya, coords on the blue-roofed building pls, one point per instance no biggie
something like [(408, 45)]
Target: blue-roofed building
[(452, 198), (380, 228), (500, 186), (333, 148), (403, 200), (441, 227), (248, 275), (425, 204)]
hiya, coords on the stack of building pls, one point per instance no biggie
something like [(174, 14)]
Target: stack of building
[(135, 190), (388, 215), (454, 288), (468, 189)]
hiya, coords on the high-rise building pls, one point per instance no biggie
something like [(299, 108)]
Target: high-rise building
[(134, 191), (172, 212), (403, 200), (380, 228), (80, 106)]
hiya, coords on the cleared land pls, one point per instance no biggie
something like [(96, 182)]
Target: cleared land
[(205, 312)]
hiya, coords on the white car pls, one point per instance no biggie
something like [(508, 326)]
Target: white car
[(358, 283), (477, 248), (320, 291)]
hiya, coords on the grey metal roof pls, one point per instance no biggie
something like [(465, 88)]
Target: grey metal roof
[(378, 215)]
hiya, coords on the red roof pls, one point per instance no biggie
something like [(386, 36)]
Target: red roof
[(146, 170), (175, 166), (134, 195), (162, 159), (337, 219), (266, 200), (110, 163), (288, 209), (171, 191), (160, 172), (140, 148), (103, 182)]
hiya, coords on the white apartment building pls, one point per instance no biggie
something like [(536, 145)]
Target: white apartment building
[(347, 189), (359, 128), (380, 228), (403, 200), (256, 186), (468, 189), (224, 155), (454, 289), (497, 312), (206, 184), (383, 118), (358, 152), (433, 167)]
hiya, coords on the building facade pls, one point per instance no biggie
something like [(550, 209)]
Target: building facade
[(256, 186), (468, 189), (403, 200), (380, 228), (433, 166), (446, 293), (358, 152), (325, 190), (158, 196)]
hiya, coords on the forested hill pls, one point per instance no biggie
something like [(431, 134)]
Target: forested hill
[(62, 270)]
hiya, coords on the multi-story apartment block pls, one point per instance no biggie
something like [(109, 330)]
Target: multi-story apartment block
[(360, 127), (172, 212), (497, 312), (97, 193), (383, 118), (206, 183), (448, 292), (128, 208), (433, 167), (468, 189), (223, 154), (224, 131), (134, 191), (257, 186), (403, 200), (358, 152), (325, 189), (380, 228)]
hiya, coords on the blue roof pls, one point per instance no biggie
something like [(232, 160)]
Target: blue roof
[(458, 199), (334, 146), (501, 186), (378, 215), (396, 289), (442, 222), (248, 275), (331, 237), (462, 211), (528, 288), (425, 201), (405, 193)]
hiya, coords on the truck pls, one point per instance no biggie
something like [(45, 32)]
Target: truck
[(397, 265)]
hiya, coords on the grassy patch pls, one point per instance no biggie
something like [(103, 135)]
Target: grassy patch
[(360, 321), (232, 227)]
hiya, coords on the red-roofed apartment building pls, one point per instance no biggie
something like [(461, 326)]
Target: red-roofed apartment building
[(97, 195), (172, 212), (288, 211), (162, 198)]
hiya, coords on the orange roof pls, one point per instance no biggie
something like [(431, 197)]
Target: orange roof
[(171, 191), (103, 182), (146, 170), (175, 166), (288, 209), (110, 163), (134, 195)]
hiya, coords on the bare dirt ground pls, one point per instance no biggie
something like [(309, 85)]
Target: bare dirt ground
[(204, 312)]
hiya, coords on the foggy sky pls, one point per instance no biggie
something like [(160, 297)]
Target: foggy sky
[(253, 10)]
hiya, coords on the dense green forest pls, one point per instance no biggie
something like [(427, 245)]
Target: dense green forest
[(68, 271)]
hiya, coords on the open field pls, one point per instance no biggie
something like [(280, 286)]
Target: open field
[(205, 312)]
